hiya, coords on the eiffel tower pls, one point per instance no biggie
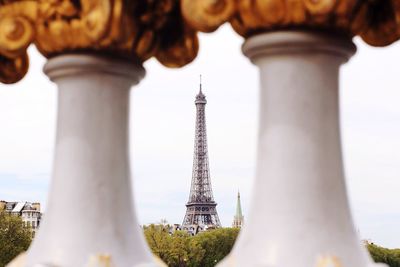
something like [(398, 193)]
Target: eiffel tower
[(201, 212)]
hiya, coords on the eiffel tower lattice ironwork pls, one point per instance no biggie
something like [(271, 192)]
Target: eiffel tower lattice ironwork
[(201, 208)]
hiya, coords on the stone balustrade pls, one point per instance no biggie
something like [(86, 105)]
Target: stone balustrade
[(95, 51)]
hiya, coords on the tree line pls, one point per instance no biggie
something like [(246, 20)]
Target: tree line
[(15, 238), (389, 256), (176, 249), (179, 249)]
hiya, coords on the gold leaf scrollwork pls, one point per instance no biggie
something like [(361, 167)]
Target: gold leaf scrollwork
[(65, 25), (167, 29), (273, 11), (320, 7), (298, 12), (376, 21), (151, 18), (16, 34), (259, 16), (180, 53), (13, 70), (137, 30), (161, 32), (208, 15), (134, 30)]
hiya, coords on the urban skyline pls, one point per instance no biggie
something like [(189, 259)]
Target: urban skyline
[(370, 132)]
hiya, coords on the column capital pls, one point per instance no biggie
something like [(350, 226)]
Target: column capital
[(134, 30), (297, 42), (73, 65), (377, 22)]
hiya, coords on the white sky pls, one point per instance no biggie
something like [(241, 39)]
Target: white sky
[(162, 133)]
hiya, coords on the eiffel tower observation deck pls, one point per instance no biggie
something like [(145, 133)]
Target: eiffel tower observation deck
[(201, 210)]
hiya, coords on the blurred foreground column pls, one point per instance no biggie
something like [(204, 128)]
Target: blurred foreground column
[(95, 52), (299, 214), (89, 213), (299, 203)]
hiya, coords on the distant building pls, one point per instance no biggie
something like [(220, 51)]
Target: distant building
[(238, 219), (175, 227), (29, 213)]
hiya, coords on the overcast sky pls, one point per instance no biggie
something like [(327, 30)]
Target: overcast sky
[(162, 134)]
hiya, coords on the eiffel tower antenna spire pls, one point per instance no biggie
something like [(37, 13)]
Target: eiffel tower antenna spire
[(200, 84), (201, 212)]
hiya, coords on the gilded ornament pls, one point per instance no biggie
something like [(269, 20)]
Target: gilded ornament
[(376, 21), (180, 53), (16, 24), (14, 37), (16, 34), (274, 12), (320, 7), (167, 29), (64, 26), (379, 22), (298, 12), (207, 15), (133, 30), (13, 70)]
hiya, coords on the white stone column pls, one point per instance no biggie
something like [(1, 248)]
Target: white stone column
[(89, 213), (299, 213)]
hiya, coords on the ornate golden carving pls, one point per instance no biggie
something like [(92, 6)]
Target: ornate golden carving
[(376, 21), (13, 69), (379, 22), (207, 15), (167, 29), (63, 26), (131, 29), (135, 30), (16, 33)]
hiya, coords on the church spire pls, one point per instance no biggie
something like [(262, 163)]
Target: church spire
[(238, 219), (238, 207)]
